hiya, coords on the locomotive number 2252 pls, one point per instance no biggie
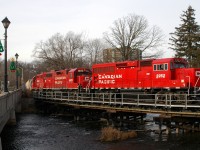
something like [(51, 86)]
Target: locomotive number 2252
[(160, 76)]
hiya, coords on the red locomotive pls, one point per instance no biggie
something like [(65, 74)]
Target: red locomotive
[(153, 75), (150, 75), (38, 82), (68, 79)]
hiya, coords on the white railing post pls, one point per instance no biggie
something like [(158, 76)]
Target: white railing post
[(115, 98), (103, 98), (122, 99), (110, 98), (76, 98), (156, 97), (92, 97), (68, 95), (82, 97), (185, 101)]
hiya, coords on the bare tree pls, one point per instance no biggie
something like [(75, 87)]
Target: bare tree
[(75, 45), (132, 33), (59, 51), (51, 51), (94, 51)]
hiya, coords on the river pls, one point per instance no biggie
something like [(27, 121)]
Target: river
[(47, 132)]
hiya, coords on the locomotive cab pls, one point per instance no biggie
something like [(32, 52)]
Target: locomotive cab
[(177, 66), (175, 75), (79, 77), (170, 73), (38, 82)]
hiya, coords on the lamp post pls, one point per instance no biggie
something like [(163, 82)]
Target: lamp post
[(22, 76), (16, 56), (6, 24)]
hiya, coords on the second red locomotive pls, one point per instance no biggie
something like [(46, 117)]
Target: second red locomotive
[(68, 79)]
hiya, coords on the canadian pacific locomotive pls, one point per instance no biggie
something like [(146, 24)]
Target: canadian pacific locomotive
[(67, 79), (150, 75)]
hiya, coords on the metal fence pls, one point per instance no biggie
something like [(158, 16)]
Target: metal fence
[(182, 101)]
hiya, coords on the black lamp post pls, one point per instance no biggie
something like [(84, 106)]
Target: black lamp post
[(16, 56), (6, 24)]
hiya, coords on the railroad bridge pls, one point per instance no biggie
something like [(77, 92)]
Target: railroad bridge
[(9, 103), (176, 110)]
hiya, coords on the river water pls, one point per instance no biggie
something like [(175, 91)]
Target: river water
[(44, 132)]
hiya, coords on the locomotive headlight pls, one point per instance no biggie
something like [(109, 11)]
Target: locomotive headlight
[(182, 81)]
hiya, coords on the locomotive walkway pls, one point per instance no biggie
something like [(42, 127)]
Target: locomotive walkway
[(9, 102), (164, 104)]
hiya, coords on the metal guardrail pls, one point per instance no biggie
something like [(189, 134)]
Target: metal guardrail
[(182, 101)]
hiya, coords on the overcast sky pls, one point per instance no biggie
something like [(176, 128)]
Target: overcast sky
[(36, 20)]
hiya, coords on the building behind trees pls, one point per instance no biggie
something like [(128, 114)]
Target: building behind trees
[(114, 55)]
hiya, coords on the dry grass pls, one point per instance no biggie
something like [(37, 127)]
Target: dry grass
[(109, 134)]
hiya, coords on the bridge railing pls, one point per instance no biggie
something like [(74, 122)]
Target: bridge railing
[(8, 101), (123, 99)]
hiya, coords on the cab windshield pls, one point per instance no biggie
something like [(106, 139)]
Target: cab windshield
[(176, 65), (85, 73)]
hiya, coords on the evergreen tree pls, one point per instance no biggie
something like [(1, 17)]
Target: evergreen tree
[(186, 38)]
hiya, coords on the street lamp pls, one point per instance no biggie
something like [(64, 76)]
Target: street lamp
[(16, 56), (22, 77), (6, 24)]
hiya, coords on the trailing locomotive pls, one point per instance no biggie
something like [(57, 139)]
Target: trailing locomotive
[(62, 80), (150, 75)]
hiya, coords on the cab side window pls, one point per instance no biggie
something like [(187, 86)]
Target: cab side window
[(160, 67)]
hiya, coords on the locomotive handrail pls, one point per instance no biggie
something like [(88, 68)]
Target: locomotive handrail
[(88, 85), (197, 82), (195, 86), (188, 85)]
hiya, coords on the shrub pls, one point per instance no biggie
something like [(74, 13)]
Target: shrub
[(109, 134)]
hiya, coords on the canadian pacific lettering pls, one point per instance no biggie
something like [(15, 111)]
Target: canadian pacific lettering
[(108, 79), (60, 78)]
